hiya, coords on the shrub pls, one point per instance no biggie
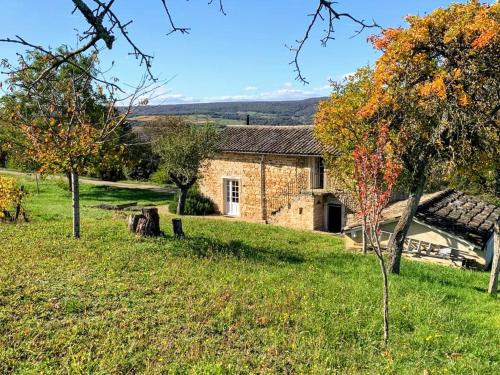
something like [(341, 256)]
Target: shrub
[(160, 177), (196, 204), (11, 198)]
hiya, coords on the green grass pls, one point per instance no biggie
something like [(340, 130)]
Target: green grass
[(231, 298)]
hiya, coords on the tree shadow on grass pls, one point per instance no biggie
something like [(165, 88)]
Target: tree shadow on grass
[(113, 194), (204, 247)]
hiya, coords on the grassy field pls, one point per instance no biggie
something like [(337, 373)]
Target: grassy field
[(231, 298)]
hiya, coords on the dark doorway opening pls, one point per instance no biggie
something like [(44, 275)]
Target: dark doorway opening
[(334, 218)]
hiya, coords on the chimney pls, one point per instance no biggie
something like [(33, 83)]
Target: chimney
[(248, 119)]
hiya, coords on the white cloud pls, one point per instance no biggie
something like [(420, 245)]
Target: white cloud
[(286, 92), (327, 88), (163, 96)]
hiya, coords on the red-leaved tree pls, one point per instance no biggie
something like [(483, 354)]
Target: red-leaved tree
[(376, 171)]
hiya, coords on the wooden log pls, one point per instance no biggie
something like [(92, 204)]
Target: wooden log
[(115, 207), (177, 227), (148, 223)]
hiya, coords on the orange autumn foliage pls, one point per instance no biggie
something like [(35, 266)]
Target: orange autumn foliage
[(381, 41), (416, 57), (436, 87), (339, 123)]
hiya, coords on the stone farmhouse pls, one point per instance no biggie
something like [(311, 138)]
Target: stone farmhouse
[(276, 175)]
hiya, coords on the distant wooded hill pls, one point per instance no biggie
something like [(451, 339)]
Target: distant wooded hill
[(293, 112)]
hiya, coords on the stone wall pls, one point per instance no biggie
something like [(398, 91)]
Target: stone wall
[(277, 174), (273, 189), (304, 212)]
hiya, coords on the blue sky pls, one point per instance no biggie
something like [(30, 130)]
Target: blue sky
[(240, 56)]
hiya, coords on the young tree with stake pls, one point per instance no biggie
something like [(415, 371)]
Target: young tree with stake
[(376, 172), (338, 123)]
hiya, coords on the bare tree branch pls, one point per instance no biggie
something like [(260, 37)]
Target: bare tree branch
[(221, 7), (104, 25), (332, 15), (182, 30)]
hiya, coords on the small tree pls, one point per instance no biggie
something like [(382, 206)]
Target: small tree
[(65, 120), (183, 148), (338, 124), (375, 172)]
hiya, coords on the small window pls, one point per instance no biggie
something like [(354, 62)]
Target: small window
[(317, 174)]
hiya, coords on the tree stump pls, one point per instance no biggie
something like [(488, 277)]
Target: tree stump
[(147, 224), (133, 220), (177, 226)]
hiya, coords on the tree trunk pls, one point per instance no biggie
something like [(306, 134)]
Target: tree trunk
[(75, 193), (70, 181), (148, 223), (182, 200), (497, 182), (19, 208), (401, 230), (375, 244), (37, 184), (386, 297), (18, 212), (495, 265), (363, 233)]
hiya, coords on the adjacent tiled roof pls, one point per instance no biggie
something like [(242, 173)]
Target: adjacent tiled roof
[(452, 211), (393, 210), (287, 140), (463, 215)]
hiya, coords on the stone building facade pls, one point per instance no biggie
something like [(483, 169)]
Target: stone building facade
[(275, 175)]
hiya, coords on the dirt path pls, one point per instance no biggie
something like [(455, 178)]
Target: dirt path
[(89, 181)]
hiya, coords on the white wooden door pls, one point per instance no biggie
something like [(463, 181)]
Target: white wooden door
[(232, 192)]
